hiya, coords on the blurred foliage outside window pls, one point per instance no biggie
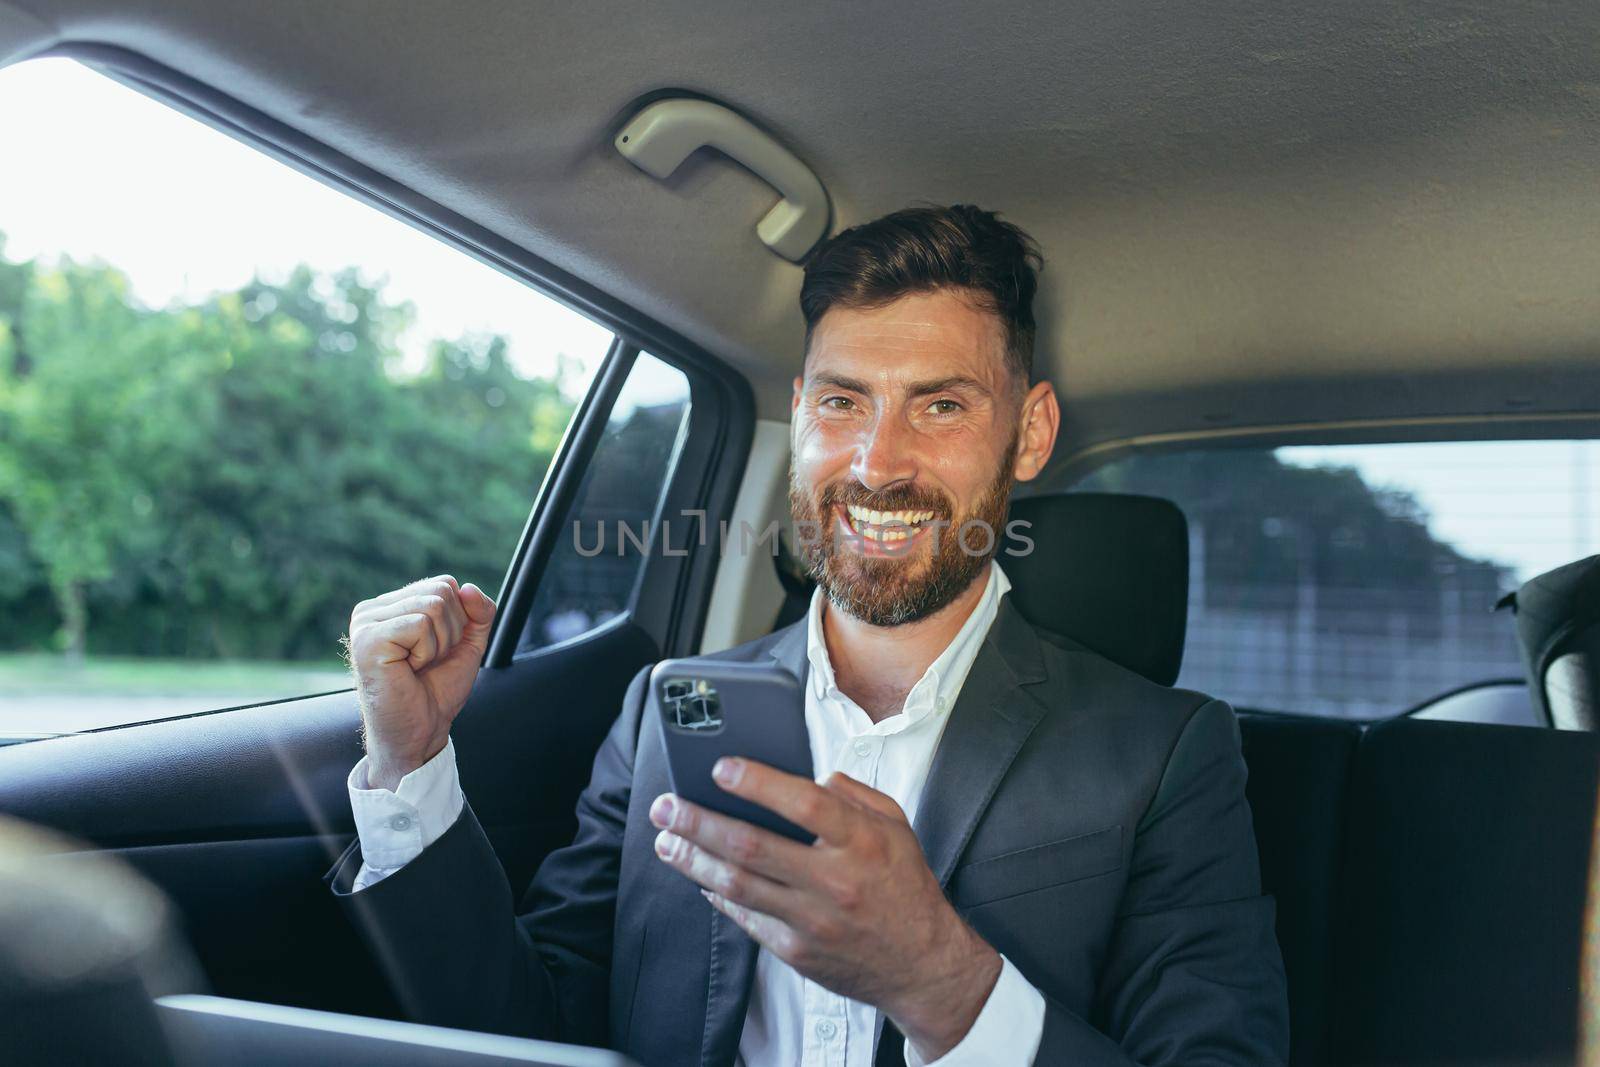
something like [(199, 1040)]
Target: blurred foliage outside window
[(226, 479), (234, 402)]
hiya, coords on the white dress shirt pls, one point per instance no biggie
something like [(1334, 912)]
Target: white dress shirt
[(791, 1020)]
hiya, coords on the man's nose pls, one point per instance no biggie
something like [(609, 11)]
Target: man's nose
[(884, 455)]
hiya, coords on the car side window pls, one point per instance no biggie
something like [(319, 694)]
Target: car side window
[(1360, 580), (615, 520), (233, 403)]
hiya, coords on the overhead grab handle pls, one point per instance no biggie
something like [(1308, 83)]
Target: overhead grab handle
[(663, 134)]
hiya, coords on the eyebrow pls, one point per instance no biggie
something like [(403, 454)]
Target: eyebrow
[(828, 380), (953, 382)]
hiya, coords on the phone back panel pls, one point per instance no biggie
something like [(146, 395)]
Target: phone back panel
[(706, 710)]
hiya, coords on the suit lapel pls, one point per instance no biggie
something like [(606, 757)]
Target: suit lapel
[(732, 972), (992, 719)]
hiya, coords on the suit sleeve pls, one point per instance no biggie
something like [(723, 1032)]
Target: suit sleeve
[(445, 930), (1193, 974)]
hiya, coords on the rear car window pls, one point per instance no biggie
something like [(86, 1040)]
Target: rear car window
[(1360, 581), (233, 403)]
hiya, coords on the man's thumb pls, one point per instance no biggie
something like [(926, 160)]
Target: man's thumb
[(479, 608)]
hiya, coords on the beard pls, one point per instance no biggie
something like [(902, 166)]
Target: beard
[(892, 590)]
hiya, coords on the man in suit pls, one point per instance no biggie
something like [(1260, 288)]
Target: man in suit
[(1024, 853)]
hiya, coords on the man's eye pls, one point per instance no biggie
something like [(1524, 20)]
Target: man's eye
[(944, 407), (837, 403)]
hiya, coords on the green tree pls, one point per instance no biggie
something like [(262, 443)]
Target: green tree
[(72, 451), (228, 478)]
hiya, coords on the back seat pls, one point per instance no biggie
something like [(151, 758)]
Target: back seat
[(1430, 876), (1467, 866), (1299, 789), (1430, 879)]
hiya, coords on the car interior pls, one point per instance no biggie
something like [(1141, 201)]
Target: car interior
[(1266, 228)]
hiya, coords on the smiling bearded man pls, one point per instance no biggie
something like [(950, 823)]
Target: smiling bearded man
[(1023, 853)]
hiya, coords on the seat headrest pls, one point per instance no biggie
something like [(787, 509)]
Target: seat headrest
[(1558, 626), (1109, 572)]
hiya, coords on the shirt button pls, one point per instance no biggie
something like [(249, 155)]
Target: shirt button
[(827, 1029), (400, 823), (863, 749)]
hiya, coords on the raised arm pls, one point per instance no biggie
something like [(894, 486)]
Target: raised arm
[(444, 925)]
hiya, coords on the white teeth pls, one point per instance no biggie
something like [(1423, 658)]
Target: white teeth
[(892, 519)]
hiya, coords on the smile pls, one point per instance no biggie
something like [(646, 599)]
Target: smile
[(885, 525)]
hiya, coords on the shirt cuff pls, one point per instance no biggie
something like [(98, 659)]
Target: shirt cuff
[(395, 826), (1007, 1030)]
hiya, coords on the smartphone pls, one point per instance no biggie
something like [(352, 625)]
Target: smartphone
[(708, 709)]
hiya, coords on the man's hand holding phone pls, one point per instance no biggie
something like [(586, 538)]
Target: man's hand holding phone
[(857, 911)]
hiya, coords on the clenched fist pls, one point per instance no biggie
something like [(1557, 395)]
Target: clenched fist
[(415, 652)]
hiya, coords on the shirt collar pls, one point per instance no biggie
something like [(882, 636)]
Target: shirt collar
[(941, 683)]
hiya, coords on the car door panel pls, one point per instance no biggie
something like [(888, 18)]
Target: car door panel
[(237, 814)]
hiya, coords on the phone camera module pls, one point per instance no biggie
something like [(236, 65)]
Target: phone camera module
[(691, 704)]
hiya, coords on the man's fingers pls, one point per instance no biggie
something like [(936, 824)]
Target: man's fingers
[(408, 639), (407, 591), (800, 800), (864, 795), (726, 879), (438, 583), (745, 844), (443, 612)]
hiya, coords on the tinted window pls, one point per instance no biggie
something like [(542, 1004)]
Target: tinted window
[(615, 522), (1361, 580), (234, 402)]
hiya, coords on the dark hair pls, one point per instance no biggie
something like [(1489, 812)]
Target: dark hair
[(921, 249)]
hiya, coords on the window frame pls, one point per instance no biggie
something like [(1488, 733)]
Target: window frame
[(675, 591), (672, 592)]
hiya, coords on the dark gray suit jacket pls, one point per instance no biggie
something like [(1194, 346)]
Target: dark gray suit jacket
[(1089, 824)]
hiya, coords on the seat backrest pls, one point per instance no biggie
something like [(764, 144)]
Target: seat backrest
[(1298, 789), (1466, 873)]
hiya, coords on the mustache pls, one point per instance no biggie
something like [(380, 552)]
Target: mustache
[(899, 498)]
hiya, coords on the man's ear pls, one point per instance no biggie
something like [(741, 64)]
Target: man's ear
[(794, 401), (1036, 438)]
